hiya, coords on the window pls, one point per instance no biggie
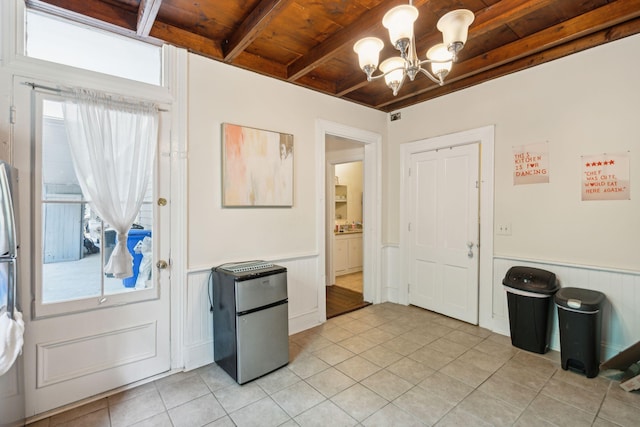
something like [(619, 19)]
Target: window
[(64, 42), (75, 243)]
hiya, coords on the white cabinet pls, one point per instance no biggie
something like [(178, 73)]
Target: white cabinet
[(355, 252), (347, 253), (340, 255)]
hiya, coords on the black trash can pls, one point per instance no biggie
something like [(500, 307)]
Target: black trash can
[(529, 292), (580, 322)]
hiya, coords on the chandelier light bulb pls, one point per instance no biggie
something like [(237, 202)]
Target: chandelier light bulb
[(455, 26), (399, 21), (368, 50), (394, 69), (441, 54)]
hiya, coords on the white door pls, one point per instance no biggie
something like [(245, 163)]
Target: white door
[(87, 333), (443, 231)]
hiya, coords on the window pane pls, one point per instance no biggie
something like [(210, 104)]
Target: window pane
[(58, 176), (76, 242), (68, 43)]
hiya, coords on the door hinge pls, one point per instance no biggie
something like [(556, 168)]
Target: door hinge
[(409, 227), (12, 115), (409, 171), (408, 288), (477, 184)]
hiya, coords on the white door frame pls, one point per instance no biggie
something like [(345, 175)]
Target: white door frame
[(371, 209), (485, 136)]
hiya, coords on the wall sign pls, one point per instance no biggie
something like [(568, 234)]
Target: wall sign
[(605, 177), (531, 164)]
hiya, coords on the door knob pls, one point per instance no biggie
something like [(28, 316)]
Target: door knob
[(162, 264), (470, 245)]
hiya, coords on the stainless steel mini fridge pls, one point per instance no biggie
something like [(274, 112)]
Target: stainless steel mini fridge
[(250, 319)]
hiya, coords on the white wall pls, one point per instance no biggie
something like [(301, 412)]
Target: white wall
[(580, 108), (218, 94), (5, 130), (583, 104)]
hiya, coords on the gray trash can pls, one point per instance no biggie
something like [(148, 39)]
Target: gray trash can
[(580, 323), (529, 292)]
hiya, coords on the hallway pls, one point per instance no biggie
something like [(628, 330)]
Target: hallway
[(345, 296)]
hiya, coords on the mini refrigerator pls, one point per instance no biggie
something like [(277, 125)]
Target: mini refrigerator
[(250, 319)]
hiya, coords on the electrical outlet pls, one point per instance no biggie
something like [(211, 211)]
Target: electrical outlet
[(504, 229)]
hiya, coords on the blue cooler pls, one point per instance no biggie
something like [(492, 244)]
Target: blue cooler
[(133, 238)]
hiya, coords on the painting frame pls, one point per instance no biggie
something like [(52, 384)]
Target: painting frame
[(257, 167)]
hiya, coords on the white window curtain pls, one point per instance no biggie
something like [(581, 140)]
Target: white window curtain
[(113, 143)]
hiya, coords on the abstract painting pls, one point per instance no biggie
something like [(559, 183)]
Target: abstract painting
[(257, 167)]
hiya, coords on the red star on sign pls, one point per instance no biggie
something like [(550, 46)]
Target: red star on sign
[(593, 164), (610, 162), (599, 163)]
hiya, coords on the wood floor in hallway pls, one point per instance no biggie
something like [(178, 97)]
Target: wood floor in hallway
[(346, 295)]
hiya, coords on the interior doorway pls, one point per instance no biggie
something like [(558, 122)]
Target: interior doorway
[(443, 197), (344, 248), (483, 247), (370, 144)]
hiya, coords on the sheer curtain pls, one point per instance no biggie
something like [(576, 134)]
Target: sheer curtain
[(113, 145)]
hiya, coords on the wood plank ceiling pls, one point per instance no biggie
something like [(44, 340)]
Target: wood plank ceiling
[(309, 42)]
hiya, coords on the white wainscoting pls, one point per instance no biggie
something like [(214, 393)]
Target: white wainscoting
[(390, 273), (305, 281), (620, 314)]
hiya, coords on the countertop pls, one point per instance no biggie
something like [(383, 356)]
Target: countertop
[(337, 233)]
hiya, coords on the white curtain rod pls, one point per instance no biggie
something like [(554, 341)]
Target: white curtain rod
[(35, 86)]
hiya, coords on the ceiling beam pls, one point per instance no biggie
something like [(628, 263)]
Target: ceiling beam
[(614, 33), (147, 13), (347, 36), (182, 38), (499, 14), (251, 27), (572, 29), (94, 14)]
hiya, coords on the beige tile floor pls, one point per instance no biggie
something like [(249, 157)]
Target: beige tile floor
[(352, 281), (384, 365)]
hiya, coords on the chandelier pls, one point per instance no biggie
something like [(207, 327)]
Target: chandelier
[(399, 21)]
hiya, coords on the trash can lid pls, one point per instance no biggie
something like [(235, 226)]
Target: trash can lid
[(139, 232), (531, 279), (579, 299)]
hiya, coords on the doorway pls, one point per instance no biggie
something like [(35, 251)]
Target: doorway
[(345, 291), (369, 154), (84, 340), (443, 217), (483, 247)]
